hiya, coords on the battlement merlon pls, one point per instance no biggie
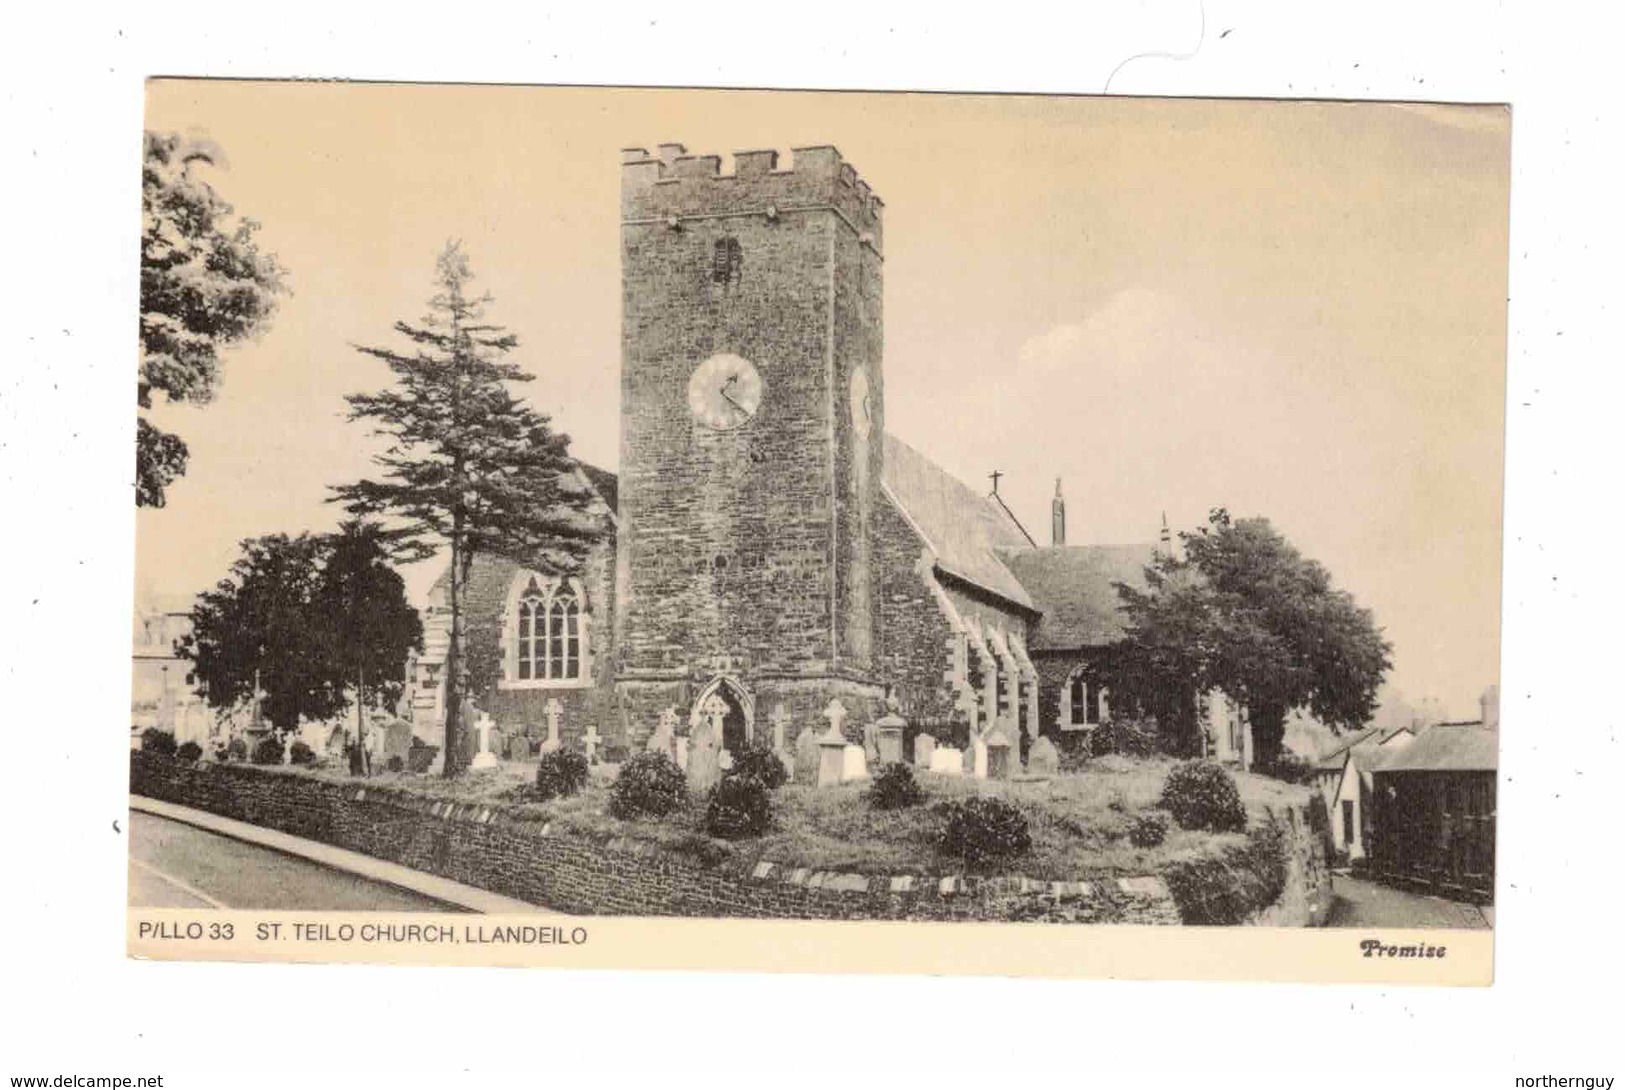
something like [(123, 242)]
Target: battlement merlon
[(672, 185)]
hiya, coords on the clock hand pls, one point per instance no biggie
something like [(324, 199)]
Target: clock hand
[(731, 400)]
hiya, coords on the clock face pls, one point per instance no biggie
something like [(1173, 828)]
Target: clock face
[(862, 411), (724, 392)]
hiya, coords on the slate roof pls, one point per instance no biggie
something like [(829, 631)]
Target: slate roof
[(965, 530), (1448, 747), (1075, 587), (605, 483)]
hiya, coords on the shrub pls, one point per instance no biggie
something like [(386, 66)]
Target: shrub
[(649, 783), (161, 742), (983, 831), (894, 788), (1203, 795), (419, 756), (761, 763), (189, 751), (560, 773), (1149, 829), (237, 749), (739, 806), (1125, 736), (1231, 887), (395, 764), (301, 754), (1289, 767), (267, 751)]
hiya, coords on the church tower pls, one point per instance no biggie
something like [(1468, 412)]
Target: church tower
[(751, 439)]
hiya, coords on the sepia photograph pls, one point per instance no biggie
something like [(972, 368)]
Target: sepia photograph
[(1073, 518)]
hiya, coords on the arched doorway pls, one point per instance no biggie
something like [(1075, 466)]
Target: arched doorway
[(738, 720)]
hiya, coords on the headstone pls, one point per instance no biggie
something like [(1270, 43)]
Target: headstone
[(338, 741), (855, 764), (871, 748), (704, 758), (832, 747), (948, 761), (591, 741), (1043, 759), (679, 751), (976, 758), (664, 739), (925, 748), (393, 741), (553, 710), (889, 738), (806, 756), (484, 758), (781, 734), (998, 754), (519, 746)]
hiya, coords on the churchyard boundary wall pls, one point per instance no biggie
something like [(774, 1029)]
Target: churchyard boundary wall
[(548, 865)]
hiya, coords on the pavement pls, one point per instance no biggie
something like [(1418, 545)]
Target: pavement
[(184, 858), (1359, 903)]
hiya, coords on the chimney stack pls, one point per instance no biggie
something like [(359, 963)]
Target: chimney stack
[(1167, 539), (1057, 517), (1489, 707)]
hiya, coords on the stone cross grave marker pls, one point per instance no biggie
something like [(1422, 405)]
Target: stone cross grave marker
[(484, 758), (553, 710), (592, 740)]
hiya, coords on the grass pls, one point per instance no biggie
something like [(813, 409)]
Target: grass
[(1079, 822)]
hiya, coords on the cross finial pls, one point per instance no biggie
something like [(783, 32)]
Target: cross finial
[(995, 475)]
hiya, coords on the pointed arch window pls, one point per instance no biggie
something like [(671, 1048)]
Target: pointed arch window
[(547, 635), (1082, 705)]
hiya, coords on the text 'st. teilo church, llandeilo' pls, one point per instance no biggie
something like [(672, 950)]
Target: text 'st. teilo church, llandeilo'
[(766, 540)]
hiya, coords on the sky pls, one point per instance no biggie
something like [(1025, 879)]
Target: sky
[(1294, 310)]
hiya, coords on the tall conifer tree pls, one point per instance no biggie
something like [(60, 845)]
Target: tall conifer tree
[(469, 467)]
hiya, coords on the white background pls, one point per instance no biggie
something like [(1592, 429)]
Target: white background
[(74, 1005)]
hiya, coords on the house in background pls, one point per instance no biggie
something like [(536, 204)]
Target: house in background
[(159, 693), (1344, 779), (1433, 811)]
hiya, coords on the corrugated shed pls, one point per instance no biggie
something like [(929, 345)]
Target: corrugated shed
[(962, 528), (1076, 588), (1447, 747)]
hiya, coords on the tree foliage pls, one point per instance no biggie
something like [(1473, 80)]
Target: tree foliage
[(468, 466), (304, 618), (205, 285), (1246, 614)]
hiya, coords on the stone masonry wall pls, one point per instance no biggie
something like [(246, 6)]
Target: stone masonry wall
[(487, 847)]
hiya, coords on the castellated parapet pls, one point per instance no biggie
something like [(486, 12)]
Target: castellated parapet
[(672, 185)]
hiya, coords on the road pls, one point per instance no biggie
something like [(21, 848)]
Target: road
[(178, 866), (1358, 903)]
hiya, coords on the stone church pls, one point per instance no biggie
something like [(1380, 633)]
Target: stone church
[(766, 540)]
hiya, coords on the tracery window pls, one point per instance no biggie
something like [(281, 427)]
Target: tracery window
[(547, 634)]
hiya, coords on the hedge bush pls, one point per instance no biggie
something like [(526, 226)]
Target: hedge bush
[(894, 787), (739, 806), (189, 751), (301, 754), (155, 740), (1203, 795), (1149, 829), (1231, 887), (983, 831), (395, 764), (267, 751), (560, 773), (762, 764), (648, 784), (1126, 737)]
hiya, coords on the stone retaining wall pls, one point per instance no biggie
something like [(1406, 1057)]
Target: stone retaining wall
[(492, 848)]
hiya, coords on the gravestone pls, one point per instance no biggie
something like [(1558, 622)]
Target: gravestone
[(998, 755), (591, 741), (832, 747), (781, 735), (338, 741), (925, 748), (855, 764), (679, 751), (393, 741), (664, 739), (553, 710), (871, 747), (519, 746), (889, 738), (806, 756), (483, 757), (704, 758), (1043, 759), (976, 758), (948, 761)]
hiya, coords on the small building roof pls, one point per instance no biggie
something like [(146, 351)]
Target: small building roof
[(963, 529), (1448, 747), (1076, 588)]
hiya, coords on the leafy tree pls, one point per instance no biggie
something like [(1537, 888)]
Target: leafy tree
[(1245, 613), (205, 285), (369, 626), (468, 465), (259, 627), (307, 621)]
